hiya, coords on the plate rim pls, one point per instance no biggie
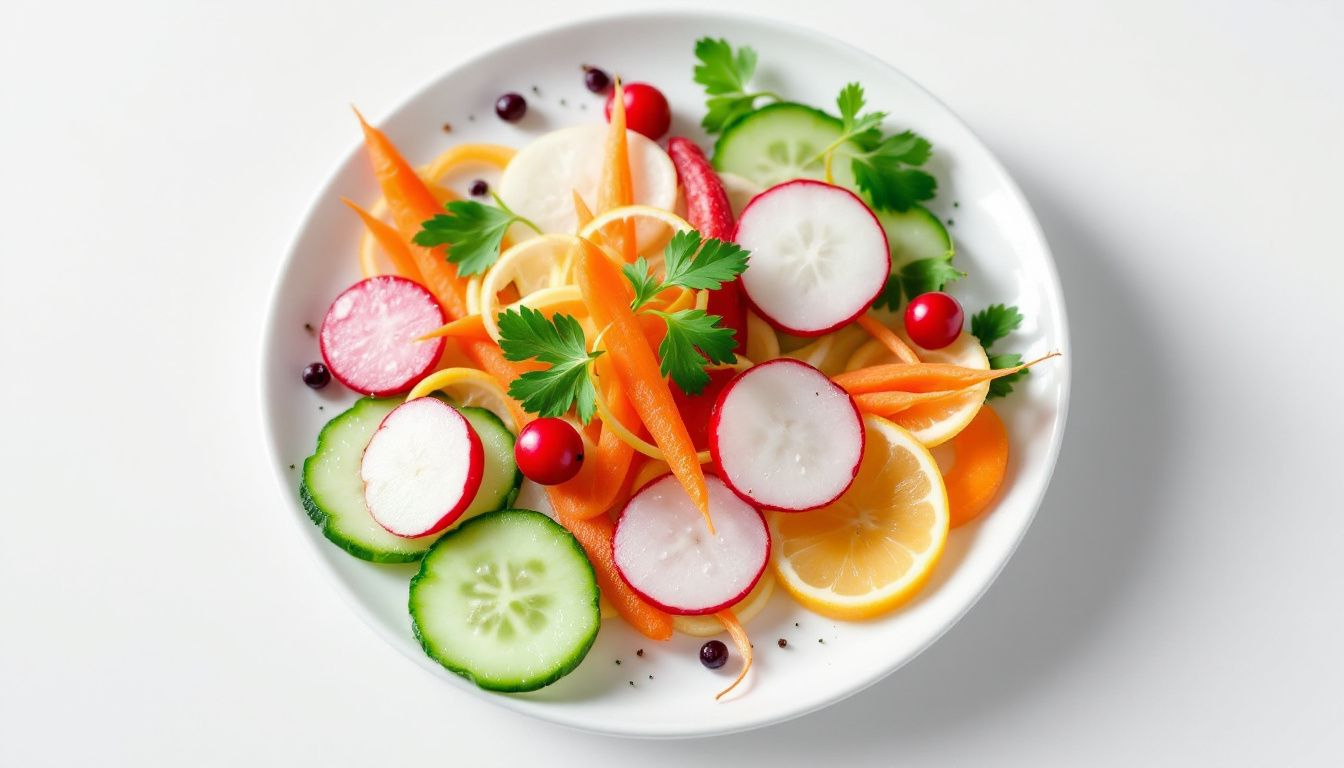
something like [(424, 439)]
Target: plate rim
[(270, 329)]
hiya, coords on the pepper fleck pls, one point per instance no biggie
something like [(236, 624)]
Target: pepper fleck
[(650, 677), (536, 90), (320, 408), (472, 118), (618, 662), (447, 127), (631, 682), (640, 652), (563, 103), (291, 466), (783, 643), (795, 623), (819, 640), (308, 327), (949, 222), (955, 204)]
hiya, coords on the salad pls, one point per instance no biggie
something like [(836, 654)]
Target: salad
[(729, 371)]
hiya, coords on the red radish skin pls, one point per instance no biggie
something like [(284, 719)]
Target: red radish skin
[(824, 409), (664, 552), (866, 279), (368, 337), (709, 211), (422, 468)]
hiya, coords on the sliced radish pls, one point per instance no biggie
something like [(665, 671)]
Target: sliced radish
[(665, 553), (369, 335), (818, 256), (422, 468), (784, 436)]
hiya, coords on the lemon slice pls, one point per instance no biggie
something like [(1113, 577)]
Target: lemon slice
[(468, 388), (934, 423), (530, 266), (649, 244), (874, 547)]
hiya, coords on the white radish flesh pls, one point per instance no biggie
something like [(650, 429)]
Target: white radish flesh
[(665, 552), (422, 468), (369, 335), (786, 437), (818, 256), (540, 181)]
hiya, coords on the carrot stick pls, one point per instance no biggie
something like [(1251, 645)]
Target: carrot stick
[(412, 203), (882, 333), (390, 241), (922, 377), (888, 404), (742, 642), (581, 211), (608, 297), (595, 535), (617, 188), (469, 327)]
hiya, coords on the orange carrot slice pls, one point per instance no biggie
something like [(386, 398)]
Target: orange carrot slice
[(882, 333), (981, 460), (608, 297), (743, 643), (390, 241), (922, 377), (617, 188)]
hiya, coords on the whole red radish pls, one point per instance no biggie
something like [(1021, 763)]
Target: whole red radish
[(646, 109)]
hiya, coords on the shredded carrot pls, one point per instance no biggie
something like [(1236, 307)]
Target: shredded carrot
[(743, 643), (922, 377), (608, 297), (390, 241), (882, 333), (469, 327), (617, 188), (888, 404)]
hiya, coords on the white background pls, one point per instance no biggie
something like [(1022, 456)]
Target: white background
[(1177, 602)]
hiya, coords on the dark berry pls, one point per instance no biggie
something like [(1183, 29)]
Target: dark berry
[(511, 107), (479, 188), (316, 375), (783, 643), (596, 80), (714, 654)]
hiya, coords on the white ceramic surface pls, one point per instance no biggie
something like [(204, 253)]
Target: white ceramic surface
[(999, 244)]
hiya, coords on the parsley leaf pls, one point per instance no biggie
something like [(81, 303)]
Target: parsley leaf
[(1004, 386), (526, 334), (889, 185), (890, 295), (994, 322), (916, 277), (725, 76), (645, 284), (472, 232), (689, 264), (694, 339), (851, 101), (932, 274), (990, 325)]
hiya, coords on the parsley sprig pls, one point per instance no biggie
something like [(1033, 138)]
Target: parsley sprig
[(884, 166), (990, 325), (694, 339), (472, 232), (725, 76), (916, 277), (526, 334)]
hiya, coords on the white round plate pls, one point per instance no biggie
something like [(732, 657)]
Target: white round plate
[(665, 692)]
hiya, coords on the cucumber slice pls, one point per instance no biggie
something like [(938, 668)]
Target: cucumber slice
[(775, 143), (501, 481), (508, 601), (333, 493), (914, 234)]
